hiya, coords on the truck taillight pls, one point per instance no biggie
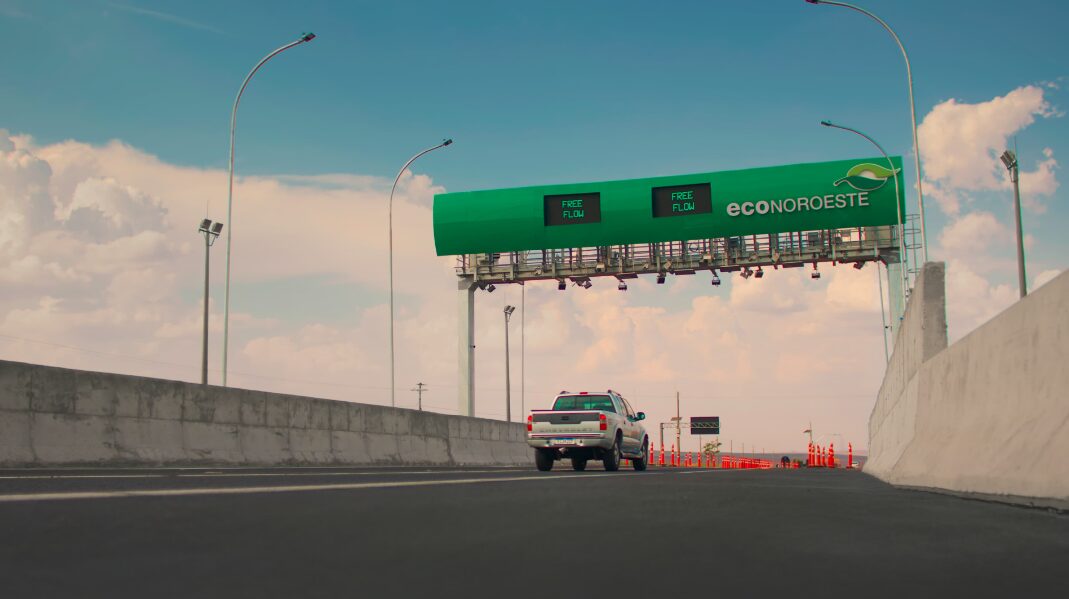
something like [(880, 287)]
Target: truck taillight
[(603, 423), (530, 423)]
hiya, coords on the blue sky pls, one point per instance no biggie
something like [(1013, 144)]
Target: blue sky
[(533, 93)]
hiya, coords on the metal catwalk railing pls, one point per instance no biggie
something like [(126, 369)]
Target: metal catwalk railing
[(782, 250)]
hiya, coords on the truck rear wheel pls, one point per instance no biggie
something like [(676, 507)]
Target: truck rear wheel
[(578, 464), (611, 461), (640, 464), (544, 459)]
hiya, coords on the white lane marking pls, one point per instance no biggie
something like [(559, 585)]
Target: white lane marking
[(22, 497), (66, 476), (241, 474)]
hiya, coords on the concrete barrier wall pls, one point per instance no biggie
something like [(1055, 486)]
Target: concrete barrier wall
[(921, 335), (988, 415), (56, 416)]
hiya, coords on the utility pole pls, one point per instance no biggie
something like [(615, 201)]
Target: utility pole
[(419, 390), (679, 424)]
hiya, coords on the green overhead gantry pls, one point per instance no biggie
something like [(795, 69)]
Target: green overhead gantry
[(743, 220)]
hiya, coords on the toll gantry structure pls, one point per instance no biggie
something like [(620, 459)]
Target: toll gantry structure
[(750, 222)]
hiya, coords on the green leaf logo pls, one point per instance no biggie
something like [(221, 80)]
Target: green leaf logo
[(867, 176)]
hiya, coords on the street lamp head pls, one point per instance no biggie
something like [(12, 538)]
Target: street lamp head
[(446, 142), (205, 225), (308, 36), (826, 123), (1009, 159), (813, 1)]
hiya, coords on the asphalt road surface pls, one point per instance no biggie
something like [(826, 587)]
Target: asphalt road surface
[(336, 532)]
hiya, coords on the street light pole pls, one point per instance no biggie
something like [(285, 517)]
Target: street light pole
[(305, 37), (523, 350), (389, 228), (912, 111), (1009, 158), (898, 206), (508, 384), (211, 233)]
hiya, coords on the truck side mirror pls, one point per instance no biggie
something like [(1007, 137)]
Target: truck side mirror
[(641, 416)]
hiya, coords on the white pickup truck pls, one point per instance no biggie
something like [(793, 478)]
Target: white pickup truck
[(585, 426)]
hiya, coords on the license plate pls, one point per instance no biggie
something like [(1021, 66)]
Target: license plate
[(563, 442)]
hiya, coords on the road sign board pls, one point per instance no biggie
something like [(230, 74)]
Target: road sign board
[(705, 425), (778, 199)]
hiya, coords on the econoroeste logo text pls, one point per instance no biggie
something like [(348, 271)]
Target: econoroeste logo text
[(799, 204), (863, 177)]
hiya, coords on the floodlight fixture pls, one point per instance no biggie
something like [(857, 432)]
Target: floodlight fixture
[(490, 288), (746, 273), (622, 286), (1009, 159), (205, 225), (715, 282), (217, 228), (586, 284), (859, 265), (816, 273), (760, 273), (660, 279), (509, 310), (561, 285)]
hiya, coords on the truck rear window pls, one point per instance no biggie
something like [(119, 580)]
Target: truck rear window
[(584, 402)]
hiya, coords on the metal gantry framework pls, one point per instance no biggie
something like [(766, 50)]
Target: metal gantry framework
[(751, 255)]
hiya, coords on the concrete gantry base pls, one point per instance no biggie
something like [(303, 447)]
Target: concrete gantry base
[(986, 416)]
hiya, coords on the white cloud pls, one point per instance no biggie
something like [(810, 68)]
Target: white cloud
[(961, 142), (972, 233), (972, 299), (116, 268), (103, 210)]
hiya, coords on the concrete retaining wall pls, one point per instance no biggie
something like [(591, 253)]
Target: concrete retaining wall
[(988, 415), (56, 416)]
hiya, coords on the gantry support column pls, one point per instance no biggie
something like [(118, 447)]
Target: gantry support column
[(466, 345), (897, 294)]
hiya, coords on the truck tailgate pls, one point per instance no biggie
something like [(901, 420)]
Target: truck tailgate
[(564, 423)]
